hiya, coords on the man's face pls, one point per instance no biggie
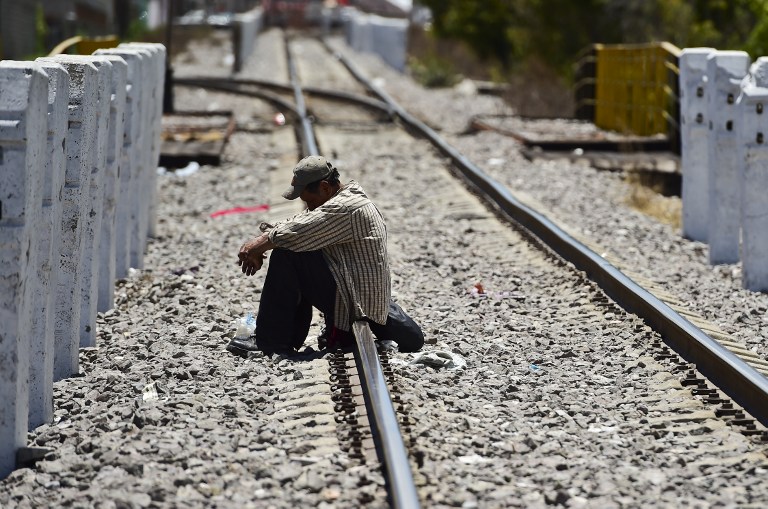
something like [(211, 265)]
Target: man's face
[(313, 200)]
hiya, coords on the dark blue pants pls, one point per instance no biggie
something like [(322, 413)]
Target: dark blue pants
[(297, 282)]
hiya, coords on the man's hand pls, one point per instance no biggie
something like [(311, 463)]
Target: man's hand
[(249, 264), (251, 245), (252, 254)]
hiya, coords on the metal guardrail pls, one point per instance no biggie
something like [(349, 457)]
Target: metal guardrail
[(83, 45), (631, 89)]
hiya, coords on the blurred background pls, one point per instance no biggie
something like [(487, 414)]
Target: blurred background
[(527, 49), (31, 28)]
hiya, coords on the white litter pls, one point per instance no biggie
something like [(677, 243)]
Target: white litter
[(440, 359), (150, 392), (245, 326), (472, 459), (188, 170)]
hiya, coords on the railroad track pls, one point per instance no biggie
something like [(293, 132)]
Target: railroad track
[(563, 398), (381, 416), (695, 356), (737, 378)]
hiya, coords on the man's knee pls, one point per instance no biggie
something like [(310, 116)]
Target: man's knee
[(401, 329), (279, 261), (410, 343)]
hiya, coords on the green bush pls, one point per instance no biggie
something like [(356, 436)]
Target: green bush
[(433, 72)]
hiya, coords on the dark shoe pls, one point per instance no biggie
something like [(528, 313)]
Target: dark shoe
[(242, 347)]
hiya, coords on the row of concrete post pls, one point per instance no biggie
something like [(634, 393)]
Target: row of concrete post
[(385, 37), (245, 30), (724, 135), (79, 145)]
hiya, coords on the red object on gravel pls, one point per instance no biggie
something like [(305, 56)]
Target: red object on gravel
[(241, 210)]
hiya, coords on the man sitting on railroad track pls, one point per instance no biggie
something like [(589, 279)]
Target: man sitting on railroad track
[(332, 256)]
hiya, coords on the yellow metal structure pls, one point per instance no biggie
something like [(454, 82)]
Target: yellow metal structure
[(84, 46), (635, 88)]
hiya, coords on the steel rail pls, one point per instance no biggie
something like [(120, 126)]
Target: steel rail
[(333, 95), (628, 144), (729, 373), (308, 142), (381, 413), (383, 420), (230, 86), (384, 424)]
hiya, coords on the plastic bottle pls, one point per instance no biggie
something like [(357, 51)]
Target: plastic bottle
[(245, 326)]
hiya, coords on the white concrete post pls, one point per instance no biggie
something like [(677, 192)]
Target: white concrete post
[(390, 40), (694, 131), (127, 220), (362, 34), (725, 70), (80, 146), (94, 201), (23, 110), (140, 188), (349, 27), (753, 134), (42, 350), (326, 20), (246, 27), (107, 250), (156, 116), (92, 240)]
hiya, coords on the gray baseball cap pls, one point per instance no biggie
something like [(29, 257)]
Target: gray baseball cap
[(308, 170)]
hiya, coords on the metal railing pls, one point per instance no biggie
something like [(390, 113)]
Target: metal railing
[(632, 89), (83, 45)]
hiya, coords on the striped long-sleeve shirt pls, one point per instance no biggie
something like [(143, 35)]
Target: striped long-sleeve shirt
[(352, 235)]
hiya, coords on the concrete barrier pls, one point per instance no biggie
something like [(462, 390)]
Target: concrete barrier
[(81, 136), (42, 348), (155, 89), (129, 249), (94, 211), (23, 155), (390, 40), (753, 133), (725, 172), (694, 132), (245, 29), (359, 33), (112, 195), (79, 143), (139, 222), (725, 71), (385, 37)]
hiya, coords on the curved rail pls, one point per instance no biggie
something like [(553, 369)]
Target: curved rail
[(235, 85), (731, 374)]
